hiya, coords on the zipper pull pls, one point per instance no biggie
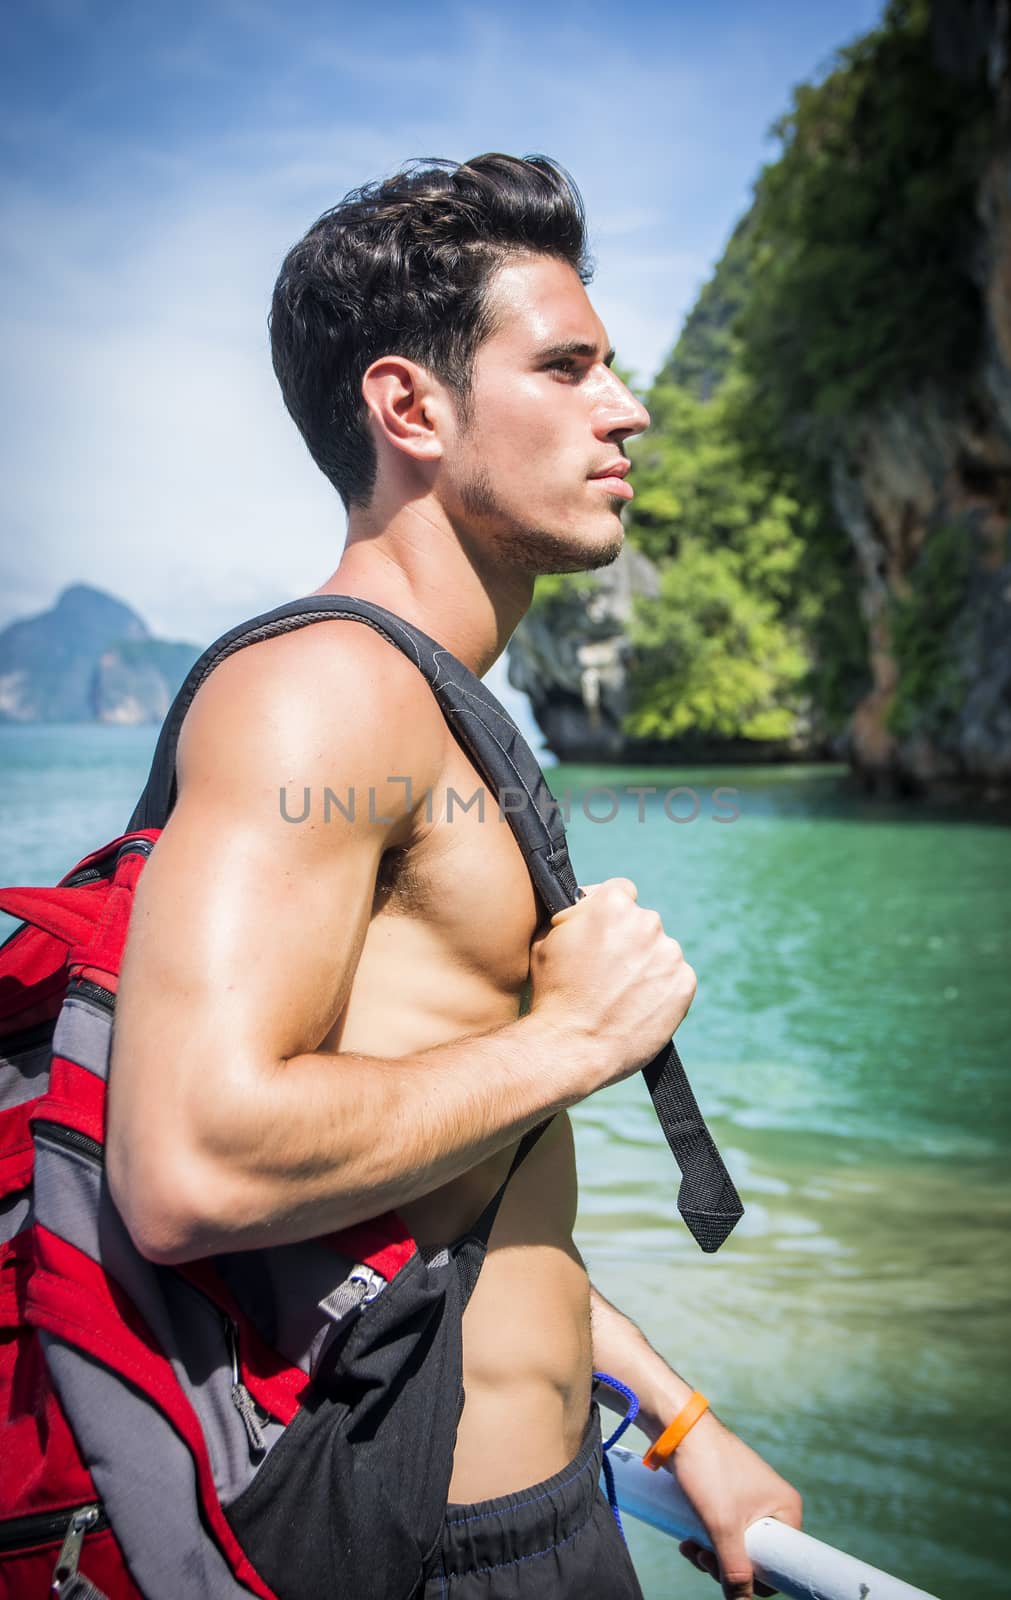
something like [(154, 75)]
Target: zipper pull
[(242, 1400), (70, 1553), (372, 1283), (358, 1289)]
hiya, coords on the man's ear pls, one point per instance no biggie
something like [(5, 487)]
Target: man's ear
[(408, 405)]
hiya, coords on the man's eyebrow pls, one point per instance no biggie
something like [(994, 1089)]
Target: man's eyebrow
[(573, 347)]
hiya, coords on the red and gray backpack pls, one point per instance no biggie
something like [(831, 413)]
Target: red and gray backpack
[(275, 1422)]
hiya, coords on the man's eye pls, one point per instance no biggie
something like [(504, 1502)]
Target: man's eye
[(563, 364)]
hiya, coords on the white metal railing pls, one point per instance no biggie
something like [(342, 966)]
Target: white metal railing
[(792, 1562)]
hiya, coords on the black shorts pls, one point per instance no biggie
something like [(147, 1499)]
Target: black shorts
[(558, 1539)]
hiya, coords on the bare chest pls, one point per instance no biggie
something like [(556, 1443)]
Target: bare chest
[(465, 882), (448, 947)]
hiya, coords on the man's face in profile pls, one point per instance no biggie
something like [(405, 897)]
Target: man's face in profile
[(527, 482)]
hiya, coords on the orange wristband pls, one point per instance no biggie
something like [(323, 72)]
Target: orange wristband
[(675, 1431)]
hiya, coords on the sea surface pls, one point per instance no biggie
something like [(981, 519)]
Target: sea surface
[(849, 1043)]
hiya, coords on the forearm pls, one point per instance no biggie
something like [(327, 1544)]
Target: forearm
[(726, 1483), (619, 1348), (320, 1141)]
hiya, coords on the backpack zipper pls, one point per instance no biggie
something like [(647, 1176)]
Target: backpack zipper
[(136, 847), (368, 1281), (65, 1570), (343, 1306), (71, 1139), (357, 1290), (354, 1292), (42, 1527), (87, 989), (252, 1414)]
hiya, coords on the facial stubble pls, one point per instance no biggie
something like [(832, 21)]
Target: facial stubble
[(533, 550)]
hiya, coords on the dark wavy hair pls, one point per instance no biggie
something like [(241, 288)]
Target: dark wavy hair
[(402, 267)]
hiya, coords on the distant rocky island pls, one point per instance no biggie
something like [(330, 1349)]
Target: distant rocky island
[(90, 658)]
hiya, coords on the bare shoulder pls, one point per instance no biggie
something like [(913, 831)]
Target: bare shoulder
[(328, 703)]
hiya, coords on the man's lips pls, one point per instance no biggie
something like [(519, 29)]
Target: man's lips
[(613, 478)]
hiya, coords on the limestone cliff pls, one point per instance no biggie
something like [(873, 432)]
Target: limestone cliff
[(136, 680), (933, 469), (570, 655), (89, 658)]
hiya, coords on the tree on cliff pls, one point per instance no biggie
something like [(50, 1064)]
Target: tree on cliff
[(716, 653)]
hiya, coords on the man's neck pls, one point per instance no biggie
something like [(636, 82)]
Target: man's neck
[(418, 568)]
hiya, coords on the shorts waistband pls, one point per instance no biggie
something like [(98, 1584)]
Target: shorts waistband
[(493, 1533)]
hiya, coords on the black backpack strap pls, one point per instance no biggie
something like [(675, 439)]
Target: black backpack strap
[(478, 721), (707, 1198)]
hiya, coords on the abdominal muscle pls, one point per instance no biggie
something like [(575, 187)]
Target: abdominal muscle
[(526, 1331)]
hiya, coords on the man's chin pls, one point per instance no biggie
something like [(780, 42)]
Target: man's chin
[(587, 557), (603, 555), (538, 551), (542, 552)]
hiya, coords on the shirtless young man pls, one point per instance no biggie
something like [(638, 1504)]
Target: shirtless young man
[(313, 984)]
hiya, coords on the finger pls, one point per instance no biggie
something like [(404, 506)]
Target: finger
[(737, 1589), (582, 893), (587, 890), (624, 884), (706, 1562), (699, 1557), (735, 1567)]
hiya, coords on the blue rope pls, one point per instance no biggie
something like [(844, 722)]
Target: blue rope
[(630, 1415)]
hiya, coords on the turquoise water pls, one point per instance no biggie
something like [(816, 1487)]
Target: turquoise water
[(65, 790), (849, 1043)]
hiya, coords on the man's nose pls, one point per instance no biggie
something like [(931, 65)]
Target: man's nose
[(620, 415)]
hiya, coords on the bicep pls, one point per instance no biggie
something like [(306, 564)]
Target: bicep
[(246, 928), (244, 935), (241, 951)]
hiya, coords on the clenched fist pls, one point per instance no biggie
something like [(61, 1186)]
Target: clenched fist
[(606, 974)]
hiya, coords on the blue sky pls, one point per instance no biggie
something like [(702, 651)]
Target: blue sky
[(157, 161)]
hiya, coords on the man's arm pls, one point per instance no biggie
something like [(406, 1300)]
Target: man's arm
[(228, 1127), (727, 1483)]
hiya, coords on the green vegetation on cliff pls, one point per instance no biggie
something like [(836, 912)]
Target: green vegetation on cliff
[(704, 353), (849, 282), (712, 655), (931, 682), (717, 653), (859, 279)]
